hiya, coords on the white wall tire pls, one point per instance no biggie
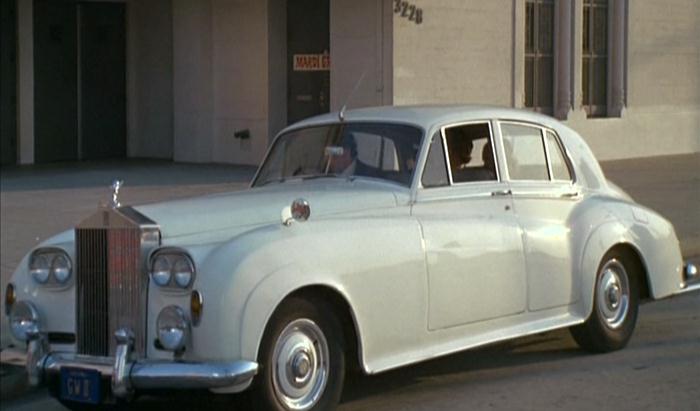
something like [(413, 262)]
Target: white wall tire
[(302, 360)]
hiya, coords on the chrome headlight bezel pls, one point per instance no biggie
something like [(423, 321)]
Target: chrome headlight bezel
[(173, 328), (23, 318), (181, 271), (50, 267)]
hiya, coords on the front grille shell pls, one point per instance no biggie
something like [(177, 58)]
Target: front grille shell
[(112, 248)]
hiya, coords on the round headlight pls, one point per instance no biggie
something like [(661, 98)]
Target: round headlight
[(173, 328), (161, 270), (39, 268), (183, 271), (23, 317), (61, 268)]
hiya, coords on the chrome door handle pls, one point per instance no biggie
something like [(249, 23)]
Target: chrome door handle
[(501, 193)]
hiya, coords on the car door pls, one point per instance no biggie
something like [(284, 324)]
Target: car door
[(545, 197), (473, 249)]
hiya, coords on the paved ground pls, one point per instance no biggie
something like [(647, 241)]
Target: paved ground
[(659, 370)]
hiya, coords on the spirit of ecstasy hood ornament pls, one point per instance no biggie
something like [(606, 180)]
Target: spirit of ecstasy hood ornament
[(116, 185)]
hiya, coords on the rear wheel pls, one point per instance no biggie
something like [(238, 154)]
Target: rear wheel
[(615, 303), (302, 362)]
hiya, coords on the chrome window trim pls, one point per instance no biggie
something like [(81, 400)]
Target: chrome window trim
[(447, 154), (52, 283), (543, 129), (172, 287), (565, 153), (292, 128)]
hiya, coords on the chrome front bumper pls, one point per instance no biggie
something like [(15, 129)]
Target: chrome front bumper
[(129, 375)]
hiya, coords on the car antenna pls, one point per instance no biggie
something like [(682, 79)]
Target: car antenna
[(341, 113)]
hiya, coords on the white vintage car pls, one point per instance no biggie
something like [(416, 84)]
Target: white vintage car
[(369, 239)]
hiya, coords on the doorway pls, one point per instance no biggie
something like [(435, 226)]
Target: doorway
[(79, 80), (8, 82), (308, 58)]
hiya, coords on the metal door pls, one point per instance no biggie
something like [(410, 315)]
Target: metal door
[(308, 59)]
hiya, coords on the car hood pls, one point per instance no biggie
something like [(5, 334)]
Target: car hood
[(249, 208)]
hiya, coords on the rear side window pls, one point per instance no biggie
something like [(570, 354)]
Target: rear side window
[(560, 168), (435, 172), (524, 149)]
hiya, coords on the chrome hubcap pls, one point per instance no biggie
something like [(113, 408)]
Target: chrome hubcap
[(613, 294), (301, 365)]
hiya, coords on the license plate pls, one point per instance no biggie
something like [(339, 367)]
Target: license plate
[(80, 385)]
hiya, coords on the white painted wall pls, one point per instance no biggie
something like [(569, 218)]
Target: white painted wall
[(360, 34), (193, 106), (220, 80), (240, 80), (149, 79)]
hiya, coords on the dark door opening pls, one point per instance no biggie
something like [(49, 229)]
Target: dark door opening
[(8, 82), (79, 80), (308, 58), (55, 81), (102, 80)]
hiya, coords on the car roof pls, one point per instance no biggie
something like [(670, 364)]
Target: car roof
[(589, 173), (429, 115)]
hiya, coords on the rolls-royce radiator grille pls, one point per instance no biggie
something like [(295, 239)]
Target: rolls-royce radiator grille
[(111, 280)]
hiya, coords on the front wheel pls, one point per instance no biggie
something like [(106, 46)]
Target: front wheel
[(615, 303), (301, 358)]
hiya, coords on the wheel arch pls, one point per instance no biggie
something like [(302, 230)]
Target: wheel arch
[(608, 237), (328, 293)]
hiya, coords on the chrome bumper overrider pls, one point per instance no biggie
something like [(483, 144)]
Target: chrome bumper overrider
[(691, 278), (127, 376)]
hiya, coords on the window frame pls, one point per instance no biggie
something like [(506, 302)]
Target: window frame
[(543, 139), (537, 55), (446, 154), (445, 150), (595, 110)]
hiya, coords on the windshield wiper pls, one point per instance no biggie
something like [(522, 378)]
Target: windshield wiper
[(315, 176), (274, 180)]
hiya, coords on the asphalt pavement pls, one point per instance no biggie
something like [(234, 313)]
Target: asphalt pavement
[(659, 370)]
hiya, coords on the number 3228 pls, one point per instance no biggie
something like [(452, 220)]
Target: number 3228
[(409, 11)]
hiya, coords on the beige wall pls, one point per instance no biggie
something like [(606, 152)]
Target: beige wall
[(473, 52), (662, 115), (461, 53), (149, 79)]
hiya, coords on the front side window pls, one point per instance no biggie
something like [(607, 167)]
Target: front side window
[(539, 55), (377, 150), (524, 150), (435, 170), (470, 153)]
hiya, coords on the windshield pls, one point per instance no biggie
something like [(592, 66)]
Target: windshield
[(378, 150)]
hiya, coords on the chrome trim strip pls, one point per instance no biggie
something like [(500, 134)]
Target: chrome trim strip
[(543, 130)]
